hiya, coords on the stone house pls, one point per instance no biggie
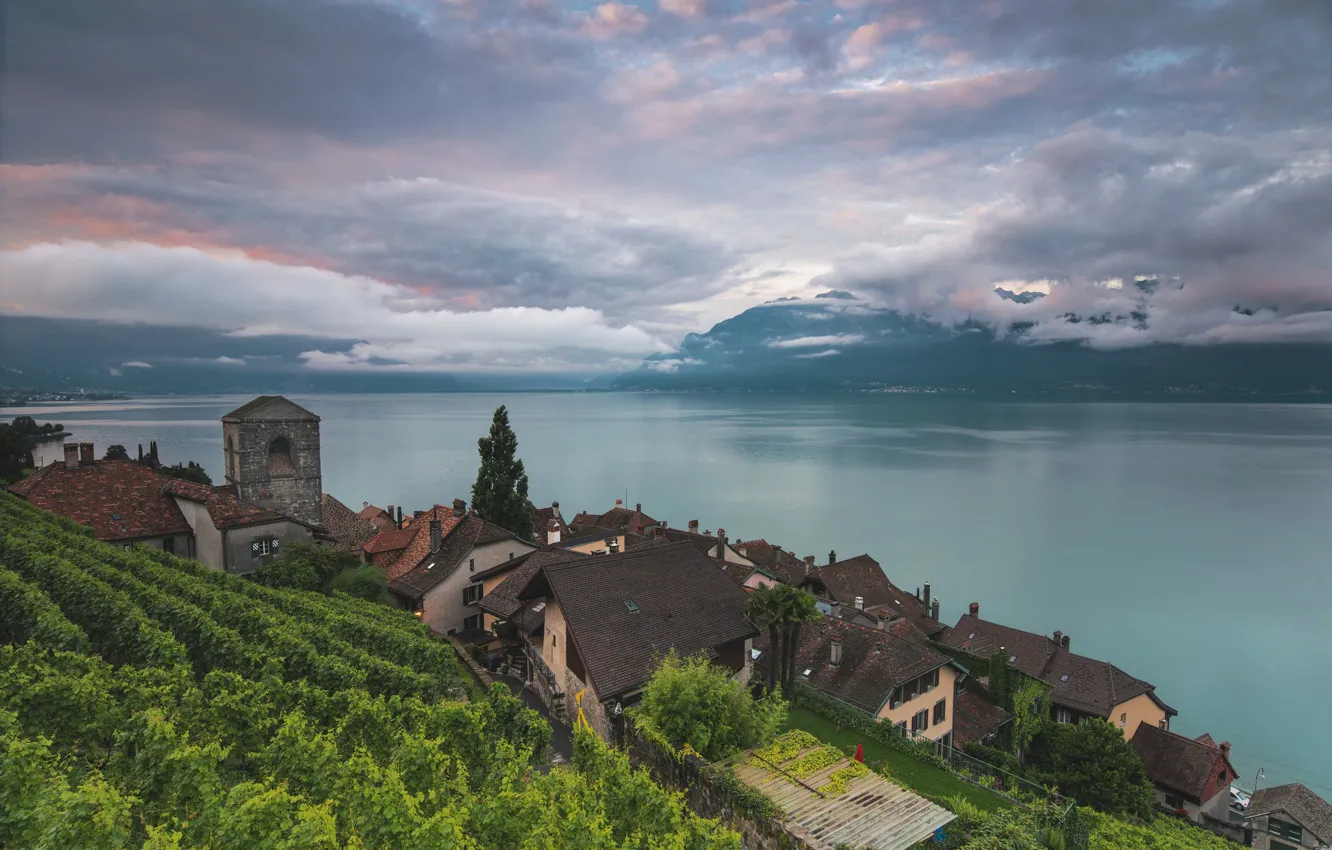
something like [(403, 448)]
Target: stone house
[(1081, 687), (609, 619), (126, 503), (1191, 775), (271, 457), (1289, 817), (860, 583), (890, 673), (435, 576)]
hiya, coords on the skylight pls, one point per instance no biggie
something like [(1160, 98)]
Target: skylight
[(539, 607), (115, 517), (807, 672), (971, 636), (633, 608), (1063, 678), (1012, 658)]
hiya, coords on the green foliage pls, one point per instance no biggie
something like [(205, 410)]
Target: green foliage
[(15, 451), (116, 452), (969, 815), (315, 567), (746, 800), (841, 778), (1031, 712), (500, 492), (189, 472), (785, 748), (695, 702), (237, 716), (1001, 759), (881, 731), (781, 610), (364, 582), (1091, 762)]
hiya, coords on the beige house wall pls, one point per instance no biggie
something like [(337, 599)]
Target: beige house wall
[(556, 639), (1141, 709), (946, 691)]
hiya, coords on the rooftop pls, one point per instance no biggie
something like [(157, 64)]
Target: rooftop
[(1312, 811), (680, 599), (864, 577), (1186, 765), (118, 499), (271, 407), (503, 601), (348, 528), (464, 534)]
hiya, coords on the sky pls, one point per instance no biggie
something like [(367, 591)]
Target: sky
[(533, 185)]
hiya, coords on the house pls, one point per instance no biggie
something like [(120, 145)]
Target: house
[(548, 524), (593, 540), (1081, 687), (271, 456), (521, 623), (500, 584), (772, 563), (1288, 817), (349, 530), (609, 619), (382, 519), (976, 720), (126, 503), (861, 583), (435, 576), (618, 518), (716, 547), (1191, 775), (890, 673)]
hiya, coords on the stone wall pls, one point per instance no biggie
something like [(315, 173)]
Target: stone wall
[(709, 798), (297, 493), (477, 672)]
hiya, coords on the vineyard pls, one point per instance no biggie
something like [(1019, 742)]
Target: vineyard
[(149, 702)]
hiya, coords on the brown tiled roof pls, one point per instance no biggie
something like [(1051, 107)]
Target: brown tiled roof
[(348, 529), (773, 560), (874, 661), (224, 509), (541, 518), (738, 573), (503, 601), (390, 540), (1080, 683), (462, 536), (1312, 811), (682, 601), (863, 576), (118, 499), (418, 544), (975, 718), (1179, 763), (615, 518), (587, 534)]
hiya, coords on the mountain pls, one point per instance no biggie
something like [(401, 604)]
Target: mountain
[(836, 342)]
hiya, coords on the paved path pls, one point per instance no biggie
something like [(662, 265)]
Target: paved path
[(561, 737)]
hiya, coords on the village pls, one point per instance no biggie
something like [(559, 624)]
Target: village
[(577, 612)]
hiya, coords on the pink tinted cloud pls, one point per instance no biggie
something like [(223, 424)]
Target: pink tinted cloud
[(610, 20)]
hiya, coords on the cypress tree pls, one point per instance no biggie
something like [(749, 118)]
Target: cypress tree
[(500, 492), (140, 452)]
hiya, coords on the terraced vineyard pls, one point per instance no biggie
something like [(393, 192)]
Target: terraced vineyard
[(149, 702)]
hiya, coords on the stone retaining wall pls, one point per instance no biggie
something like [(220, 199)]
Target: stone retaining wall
[(484, 679)]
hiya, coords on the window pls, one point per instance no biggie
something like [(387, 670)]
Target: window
[(1123, 719), (262, 547), (940, 711), (471, 565), (1163, 724), (510, 556), (1221, 778), (895, 698), (169, 545), (472, 594), (932, 681), (920, 721), (472, 623), (1284, 829), (1063, 715), (901, 727), (1174, 801), (279, 458), (554, 640)]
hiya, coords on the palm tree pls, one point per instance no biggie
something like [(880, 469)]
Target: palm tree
[(764, 610), (798, 607)]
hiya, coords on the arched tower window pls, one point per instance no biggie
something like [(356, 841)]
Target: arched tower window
[(231, 458), (279, 458)]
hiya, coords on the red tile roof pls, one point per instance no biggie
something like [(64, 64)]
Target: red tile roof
[(418, 545), (459, 538), (349, 529), (119, 499), (224, 508), (975, 718), (389, 541)]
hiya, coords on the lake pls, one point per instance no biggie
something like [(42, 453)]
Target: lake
[(1186, 543)]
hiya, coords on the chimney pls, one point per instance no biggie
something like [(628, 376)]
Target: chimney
[(619, 503), (835, 609), (1058, 635), (367, 504), (86, 456), (1225, 748), (974, 610), (555, 505), (613, 544), (934, 610), (399, 520), (1064, 643), (721, 544), (553, 532), (809, 564), (832, 557), (638, 507), (927, 595), (860, 603), (71, 455), (659, 533), (436, 535), (459, 507), (693, 526), (836, 651), (880, 623), (390, 512)]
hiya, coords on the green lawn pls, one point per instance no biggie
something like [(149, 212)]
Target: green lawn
[(924, 779)]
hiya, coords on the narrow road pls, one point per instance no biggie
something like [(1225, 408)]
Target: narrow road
[(561, 737)]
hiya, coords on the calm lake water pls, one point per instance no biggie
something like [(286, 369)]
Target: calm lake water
[(1187, 543)]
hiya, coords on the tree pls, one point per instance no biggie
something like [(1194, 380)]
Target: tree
[(764, 610), (364, 582), (15, 453), (1092, 762), (500, 492), (193, 472), (782, 610), (116, 452), (693, 701)]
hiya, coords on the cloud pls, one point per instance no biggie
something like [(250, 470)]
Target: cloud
[(136, 364), (229, 361), (813, 341), (397, 326), (672, 364), (831, 352)]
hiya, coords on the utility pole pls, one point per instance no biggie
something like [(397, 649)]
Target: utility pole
[(1259, 775)]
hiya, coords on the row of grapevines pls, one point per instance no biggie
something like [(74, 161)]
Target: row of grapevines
[(116, 626), (28, 614)]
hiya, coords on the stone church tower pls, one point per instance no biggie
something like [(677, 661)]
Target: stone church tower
[(271, 451)]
